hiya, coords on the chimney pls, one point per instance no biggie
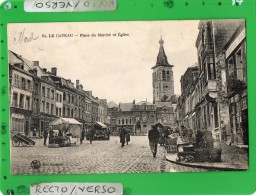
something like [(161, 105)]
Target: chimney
[(44, 69), (54, 71), (35, 71), (36, 63), (77, 84)]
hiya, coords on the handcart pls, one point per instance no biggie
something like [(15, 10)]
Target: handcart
[(22, 140)]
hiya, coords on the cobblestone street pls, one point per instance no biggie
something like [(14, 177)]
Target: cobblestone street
[(98, 157)]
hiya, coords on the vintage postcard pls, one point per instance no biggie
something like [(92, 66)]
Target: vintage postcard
[(128, 97)]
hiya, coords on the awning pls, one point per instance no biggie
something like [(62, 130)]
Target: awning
[(60, 121), (100, 124)]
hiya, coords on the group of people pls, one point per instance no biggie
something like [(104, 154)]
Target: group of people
[(49, 132), (90, 134), (124, 136), (164, 134)]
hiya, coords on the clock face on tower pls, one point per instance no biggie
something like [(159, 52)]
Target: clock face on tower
[(166, 87)]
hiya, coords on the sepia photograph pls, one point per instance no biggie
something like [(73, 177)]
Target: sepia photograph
[(128, 97)]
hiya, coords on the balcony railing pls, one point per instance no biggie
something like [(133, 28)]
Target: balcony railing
[(211, 86)]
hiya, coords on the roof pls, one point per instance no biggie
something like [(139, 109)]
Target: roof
[(112, 104), (162, 58), (100, 124), (60, 121), (144, 102), (126, 106), (18, 59)]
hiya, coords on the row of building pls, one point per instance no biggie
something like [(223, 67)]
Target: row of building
[(138, 117), (38, 96), (214, 91)]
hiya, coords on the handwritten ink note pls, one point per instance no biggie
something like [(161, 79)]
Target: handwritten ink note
[(76, 189), (69, 5)]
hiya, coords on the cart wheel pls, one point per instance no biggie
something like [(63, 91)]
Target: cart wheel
[(15, 142), (190, 159)]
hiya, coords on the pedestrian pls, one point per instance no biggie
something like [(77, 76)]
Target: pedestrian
[(166, 134), (183, 131), (45, 135), (190, 132), (223, 131), (51, 135), (199, 140), (153, 136), (91, 134), (82, 136), (127, 137), (122, 136), (208, 139)]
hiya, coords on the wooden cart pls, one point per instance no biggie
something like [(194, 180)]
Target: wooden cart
[(22, 140)]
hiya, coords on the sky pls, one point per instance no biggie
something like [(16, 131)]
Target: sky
[(116, 68)]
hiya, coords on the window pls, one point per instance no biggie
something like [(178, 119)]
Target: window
[(231, 68), (64, 96), (43, 106), (130, 121), (36, 105), (152, 118), (52, 108), (68, 111), (126, 121), (48, 93), (57, 111), (168, 75), (163, 75), (27, 105), (17, 124), (47, 108), (43, 91), (16, 80), (211, 69), (60, 112), (240, 66), (21, 101), (216, 119), (119, 122), (36, 88), (23, 83), (15, 100), (52, 94), (68, 98), (64, 111), (29, 87), (57, 97), (122, 121)]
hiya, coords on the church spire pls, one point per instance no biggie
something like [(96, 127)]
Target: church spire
[(162, 58)]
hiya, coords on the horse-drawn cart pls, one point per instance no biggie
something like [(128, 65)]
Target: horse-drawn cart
[(22, 140)]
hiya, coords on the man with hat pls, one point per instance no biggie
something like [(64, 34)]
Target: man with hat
[(153, 136)]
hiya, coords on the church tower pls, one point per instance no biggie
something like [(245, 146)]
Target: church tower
[(163, 84)]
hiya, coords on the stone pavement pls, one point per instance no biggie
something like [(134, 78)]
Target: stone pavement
[(98, 157)]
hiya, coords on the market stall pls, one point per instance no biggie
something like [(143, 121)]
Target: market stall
[(68, 128)]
